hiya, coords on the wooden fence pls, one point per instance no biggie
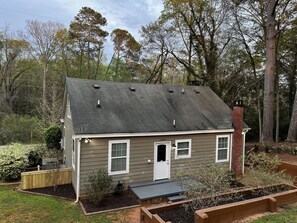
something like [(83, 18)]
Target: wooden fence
[(45, 178)]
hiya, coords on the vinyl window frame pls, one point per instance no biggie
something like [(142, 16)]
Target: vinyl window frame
[(225, 148), (110, 143), (177, 149)]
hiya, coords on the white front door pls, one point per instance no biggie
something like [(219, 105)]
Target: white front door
[(162, 161)]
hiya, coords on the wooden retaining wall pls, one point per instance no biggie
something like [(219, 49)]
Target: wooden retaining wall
[(226, 213), (289, 169), (44, 178)]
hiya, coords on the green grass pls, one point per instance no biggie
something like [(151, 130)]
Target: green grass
[(288, 215), (19, 207)]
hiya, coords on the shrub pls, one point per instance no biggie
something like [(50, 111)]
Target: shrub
[(263, 171), (53, 137), (99, 185), (35, 156), (202, 182), (14, 159)]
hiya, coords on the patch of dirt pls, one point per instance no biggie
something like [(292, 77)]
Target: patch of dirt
[(63, 191), (112, 201)]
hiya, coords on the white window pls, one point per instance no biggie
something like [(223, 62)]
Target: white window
[(222, 148), (73, 154), (118, 157), (183, 148), (68, 108)]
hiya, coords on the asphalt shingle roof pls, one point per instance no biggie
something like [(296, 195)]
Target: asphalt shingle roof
[(150, 108)]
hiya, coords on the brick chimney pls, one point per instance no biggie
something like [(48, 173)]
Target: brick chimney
[(237, 141)]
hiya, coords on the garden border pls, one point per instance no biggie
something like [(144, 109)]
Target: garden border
[(222, 213)]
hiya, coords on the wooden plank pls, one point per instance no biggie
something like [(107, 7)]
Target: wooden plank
[(43, 178)]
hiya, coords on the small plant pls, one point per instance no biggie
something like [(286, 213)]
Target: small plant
[(293, 150), (280, 149), (99, 185)]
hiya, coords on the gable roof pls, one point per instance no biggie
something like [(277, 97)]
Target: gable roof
[(149, 108)]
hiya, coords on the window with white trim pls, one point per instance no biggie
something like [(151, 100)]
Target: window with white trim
[(222, 148), (68, 108), (183, 148), (118, 157), (73, 154)]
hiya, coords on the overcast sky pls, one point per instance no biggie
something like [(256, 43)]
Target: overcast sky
[(123, 14)]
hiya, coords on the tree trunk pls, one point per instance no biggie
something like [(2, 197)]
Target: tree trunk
[(270, 68), (44, 101), (292, 133)]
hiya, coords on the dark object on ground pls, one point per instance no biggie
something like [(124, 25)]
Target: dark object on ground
[(111, 201), (64, 191)]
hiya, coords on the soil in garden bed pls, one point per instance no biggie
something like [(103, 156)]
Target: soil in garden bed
[(180, 215), (111, 201), (63, 191)]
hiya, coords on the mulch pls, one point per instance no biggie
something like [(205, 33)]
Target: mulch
[(65, 191), (109, 202)]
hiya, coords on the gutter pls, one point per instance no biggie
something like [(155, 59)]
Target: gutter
[(78, 171)]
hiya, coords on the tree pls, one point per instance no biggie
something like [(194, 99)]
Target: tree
[(204, 21), (86, 31), (292, 133), (13, 66), (126, 49), (42, 38), (156, 45)]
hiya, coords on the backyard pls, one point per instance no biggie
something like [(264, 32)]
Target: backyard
[(19, 207)]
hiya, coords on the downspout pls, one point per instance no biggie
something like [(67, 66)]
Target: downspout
[(231, 148), (243, 150), (78, 171)]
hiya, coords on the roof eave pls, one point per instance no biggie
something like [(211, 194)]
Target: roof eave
[(115, 135)]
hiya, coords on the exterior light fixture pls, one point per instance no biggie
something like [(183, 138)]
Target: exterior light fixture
[(87, 140)]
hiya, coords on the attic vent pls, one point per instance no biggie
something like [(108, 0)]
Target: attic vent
[(170, 90), (96, 86), (183, 91), (132, 88), (196, 91), (98, 104)]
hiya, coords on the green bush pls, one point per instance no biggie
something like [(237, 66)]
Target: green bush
[(15, 158), (99, 185), (53, 135), (35, 156)]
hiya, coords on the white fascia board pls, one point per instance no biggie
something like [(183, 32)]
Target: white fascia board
[(118, 135)]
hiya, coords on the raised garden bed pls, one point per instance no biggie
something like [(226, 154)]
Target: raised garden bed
[(225, 212)]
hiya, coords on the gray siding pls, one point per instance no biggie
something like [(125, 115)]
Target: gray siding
[(94, 155), (68, 143)]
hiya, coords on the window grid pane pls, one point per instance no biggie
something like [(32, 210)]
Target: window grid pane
[(183, 145), (223, 143), (118, 164), (222, 154), (119, 149), (183, 152)]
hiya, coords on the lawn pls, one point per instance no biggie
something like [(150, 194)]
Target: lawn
[(288, 215), (19, 207)]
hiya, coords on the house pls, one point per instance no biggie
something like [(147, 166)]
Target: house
[(143, 132)]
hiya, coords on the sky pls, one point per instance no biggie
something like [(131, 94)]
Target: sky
[(124, 14)]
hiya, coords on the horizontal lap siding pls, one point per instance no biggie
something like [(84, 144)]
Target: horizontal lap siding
[(68, 148), (94, 155)]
